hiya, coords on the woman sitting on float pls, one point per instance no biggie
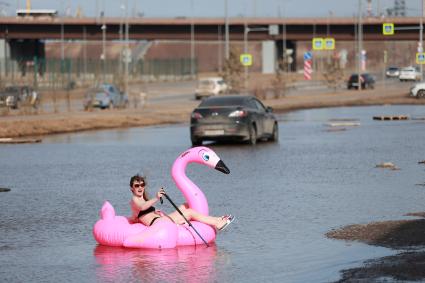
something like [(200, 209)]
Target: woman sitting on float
[(144, 212)]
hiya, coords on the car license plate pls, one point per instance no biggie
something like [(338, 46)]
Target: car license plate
[(214, 132), (355, 84)]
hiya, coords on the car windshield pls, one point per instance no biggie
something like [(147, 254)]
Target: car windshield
[(393, 69), (205, 83), (101, 95), (223, 101)]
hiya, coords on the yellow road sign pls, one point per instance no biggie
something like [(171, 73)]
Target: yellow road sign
[(387, 28), (329, 43), (420, 58), (246, 59), (318, 43)]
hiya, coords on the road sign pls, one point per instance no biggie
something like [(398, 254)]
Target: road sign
[(273, 29), (387, 28), (126, 55), (317, 43), (246, 59), (420, 58), (363, 60), (308, 56), (329, 43)]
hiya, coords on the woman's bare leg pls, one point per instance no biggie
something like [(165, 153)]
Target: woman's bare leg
[(191, 214)]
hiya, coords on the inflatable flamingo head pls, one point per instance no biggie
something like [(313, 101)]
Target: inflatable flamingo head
[(206, 156)]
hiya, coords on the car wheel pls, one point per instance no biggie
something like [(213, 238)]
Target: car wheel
[(421, 94), (275, 134), (252, 135)]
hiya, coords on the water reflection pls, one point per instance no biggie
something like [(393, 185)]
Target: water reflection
[(182, 264)]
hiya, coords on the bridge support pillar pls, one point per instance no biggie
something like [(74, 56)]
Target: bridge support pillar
[(268, 55), (4, 57)]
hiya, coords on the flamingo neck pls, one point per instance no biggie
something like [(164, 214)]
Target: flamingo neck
[(195, 198)]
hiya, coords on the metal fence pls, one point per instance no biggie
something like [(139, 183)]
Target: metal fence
[(57, 73)]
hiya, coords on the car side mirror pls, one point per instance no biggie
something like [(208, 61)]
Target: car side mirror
[(269, 109)]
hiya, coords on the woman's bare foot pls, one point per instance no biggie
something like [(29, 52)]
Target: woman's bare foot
[(224, 221)]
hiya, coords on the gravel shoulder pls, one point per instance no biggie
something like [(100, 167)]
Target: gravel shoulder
[(171, 110)]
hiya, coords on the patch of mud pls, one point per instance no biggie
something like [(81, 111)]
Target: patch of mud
[(402, 267), (399, 235)]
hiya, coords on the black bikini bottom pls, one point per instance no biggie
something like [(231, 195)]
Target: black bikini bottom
[(153, 220)]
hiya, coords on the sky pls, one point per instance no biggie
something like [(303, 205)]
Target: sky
[(212, 8)]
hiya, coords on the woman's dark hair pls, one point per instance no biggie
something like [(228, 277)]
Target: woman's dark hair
[(138, 178)]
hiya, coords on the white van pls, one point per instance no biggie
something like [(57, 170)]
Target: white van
[(210, 86)]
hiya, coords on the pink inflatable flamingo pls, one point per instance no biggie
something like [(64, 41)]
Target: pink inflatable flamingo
[(113, 230)]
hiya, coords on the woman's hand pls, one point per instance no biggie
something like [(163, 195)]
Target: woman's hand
[(160, 193)]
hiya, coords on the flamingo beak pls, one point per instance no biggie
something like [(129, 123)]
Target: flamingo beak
[(222, 167)]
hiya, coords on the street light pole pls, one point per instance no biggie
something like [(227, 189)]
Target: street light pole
[(245, 48), (103, 57), (227, 52), (127, 50), (192, 41), (421, 35), (360, 47)]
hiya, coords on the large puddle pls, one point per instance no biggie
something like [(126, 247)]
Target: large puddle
[(286, 196)]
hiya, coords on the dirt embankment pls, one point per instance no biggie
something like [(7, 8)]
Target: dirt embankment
[(178, 111), (405, 235)]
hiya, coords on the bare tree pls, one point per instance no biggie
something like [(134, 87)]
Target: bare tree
[(232, 71), (333, 74)]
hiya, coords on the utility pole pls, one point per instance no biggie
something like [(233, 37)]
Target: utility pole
[(103, 57), (245, 50), (85, 51), (421, 28), (192, 42), (283, 43), (360, 47), (226, 50), (127, 49)]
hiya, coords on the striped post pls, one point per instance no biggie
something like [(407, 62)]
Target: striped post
[(307, 65)]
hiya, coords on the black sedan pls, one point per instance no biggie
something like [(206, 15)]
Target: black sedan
[(232, 117), (366, 81)]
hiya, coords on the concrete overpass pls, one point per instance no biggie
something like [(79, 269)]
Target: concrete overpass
[(26, 35), (205, 28)]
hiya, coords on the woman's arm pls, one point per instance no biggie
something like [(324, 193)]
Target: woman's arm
[(145, 204)]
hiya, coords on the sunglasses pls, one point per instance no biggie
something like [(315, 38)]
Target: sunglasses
[(139, 185)]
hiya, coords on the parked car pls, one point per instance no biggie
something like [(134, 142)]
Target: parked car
[(410, 74), (14, 96), (392, 72), (366, 81), (105, 96), (210, 86), (418, 90), (232, 117)]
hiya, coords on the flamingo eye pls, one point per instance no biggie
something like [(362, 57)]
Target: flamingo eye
[(206, 157)]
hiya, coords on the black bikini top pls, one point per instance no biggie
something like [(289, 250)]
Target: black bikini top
[(146, 211)]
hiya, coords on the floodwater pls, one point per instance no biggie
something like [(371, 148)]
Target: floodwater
[(285, 196)]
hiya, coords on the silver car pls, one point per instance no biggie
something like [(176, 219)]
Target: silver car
[(105, 96)]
